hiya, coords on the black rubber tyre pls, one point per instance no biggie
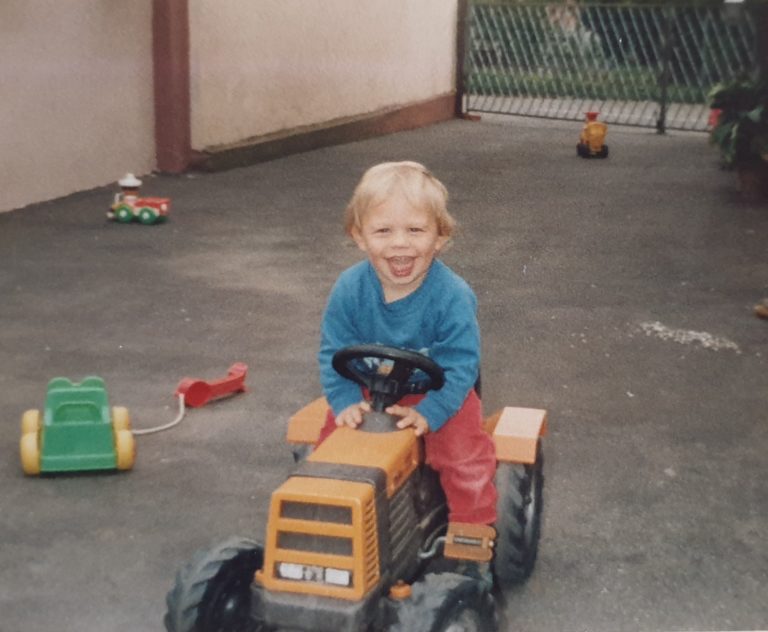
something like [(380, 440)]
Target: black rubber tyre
[(212, 592), (301, 452), (518, 525), (603, 153), (447, 602), (582, 150)]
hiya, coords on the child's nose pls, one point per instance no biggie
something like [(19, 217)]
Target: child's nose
[(401, 238)]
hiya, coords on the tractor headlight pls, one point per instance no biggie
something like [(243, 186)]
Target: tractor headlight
[(338, 577), (290, 571), (306, 573)]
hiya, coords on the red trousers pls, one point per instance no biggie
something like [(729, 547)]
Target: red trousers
[(464, 457)]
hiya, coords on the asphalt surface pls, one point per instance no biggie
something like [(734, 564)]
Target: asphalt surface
[(616, 294)]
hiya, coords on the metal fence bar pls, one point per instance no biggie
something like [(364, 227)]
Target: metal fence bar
[(664, 75), (646, 65)]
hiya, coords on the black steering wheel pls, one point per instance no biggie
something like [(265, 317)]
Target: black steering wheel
[(393, 374)]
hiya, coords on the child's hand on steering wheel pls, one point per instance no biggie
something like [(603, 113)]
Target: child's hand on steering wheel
[(410, 418), (352, 416)]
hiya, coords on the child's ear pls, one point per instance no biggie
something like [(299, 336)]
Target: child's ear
[(442, 241), (358, 238)]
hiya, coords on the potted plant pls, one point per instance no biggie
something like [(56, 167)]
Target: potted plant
[(741, 131)]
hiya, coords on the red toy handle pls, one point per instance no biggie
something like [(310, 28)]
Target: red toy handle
[(199, 392)]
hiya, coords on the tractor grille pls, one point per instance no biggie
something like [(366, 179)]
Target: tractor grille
[(322, 538), (403, 523), (319, 513), (314, 543), (370, 544)]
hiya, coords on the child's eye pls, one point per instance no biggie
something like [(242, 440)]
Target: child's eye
[(416, 229)]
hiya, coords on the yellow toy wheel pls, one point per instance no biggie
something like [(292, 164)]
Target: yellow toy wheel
[(30, 421), (30, 453), (121, 418), (125, 447)]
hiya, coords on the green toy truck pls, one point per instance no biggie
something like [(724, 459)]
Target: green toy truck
[(76, 432)]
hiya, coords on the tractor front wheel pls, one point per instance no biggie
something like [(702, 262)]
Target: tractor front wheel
[(447, 602), (213, 591), (518, 522)]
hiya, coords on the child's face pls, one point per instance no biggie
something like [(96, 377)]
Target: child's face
[(401, 241)]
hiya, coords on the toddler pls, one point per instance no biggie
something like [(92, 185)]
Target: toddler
[(401, 295)]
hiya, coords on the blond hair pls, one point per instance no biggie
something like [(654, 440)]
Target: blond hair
[(410, 179)]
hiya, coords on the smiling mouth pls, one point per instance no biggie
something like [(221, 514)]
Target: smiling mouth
[(401, 266)]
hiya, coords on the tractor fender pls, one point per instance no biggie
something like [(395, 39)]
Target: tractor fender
[(516, 432), (305, 425)]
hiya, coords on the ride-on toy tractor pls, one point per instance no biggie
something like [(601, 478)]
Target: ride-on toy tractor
[(592, 138), (356, 535)]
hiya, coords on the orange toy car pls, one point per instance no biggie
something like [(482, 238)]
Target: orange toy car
[(592, 138)]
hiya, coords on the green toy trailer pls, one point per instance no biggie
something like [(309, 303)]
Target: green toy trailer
[(76, 432)]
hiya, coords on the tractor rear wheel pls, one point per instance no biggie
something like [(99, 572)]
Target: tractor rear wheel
[(447, 602), (212, 592), (518, 524)]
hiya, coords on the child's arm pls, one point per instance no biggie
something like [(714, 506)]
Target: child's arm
[(457, 350), (336, 332)]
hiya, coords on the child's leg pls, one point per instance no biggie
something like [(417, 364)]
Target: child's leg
[(463, 455), (465, 458), (328, 428)]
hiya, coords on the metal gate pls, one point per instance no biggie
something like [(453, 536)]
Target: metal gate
[(646, 65)]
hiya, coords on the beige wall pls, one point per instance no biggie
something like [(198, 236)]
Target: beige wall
[(76, 97), (261, 67), (76, 107)]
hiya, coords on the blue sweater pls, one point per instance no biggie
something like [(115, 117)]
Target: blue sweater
[(439, 319)]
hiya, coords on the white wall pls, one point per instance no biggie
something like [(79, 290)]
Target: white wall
[(76, 96), (76, 108), (265, 66)]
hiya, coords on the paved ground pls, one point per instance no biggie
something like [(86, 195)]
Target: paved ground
[(617, 294)]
